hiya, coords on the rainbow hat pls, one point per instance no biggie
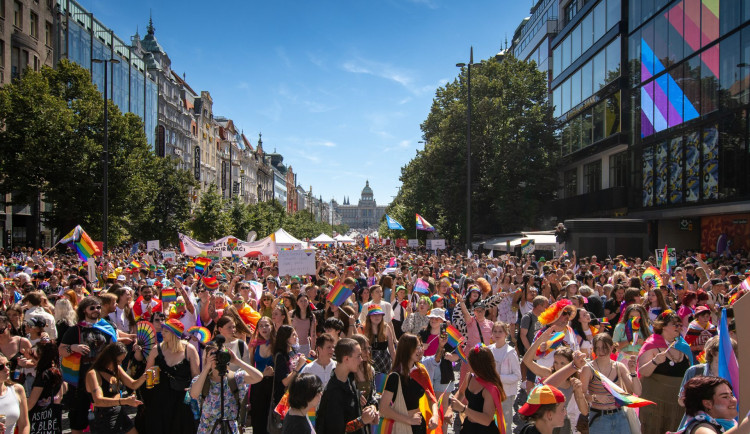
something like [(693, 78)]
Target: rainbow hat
[(375, 309), (174, 326)]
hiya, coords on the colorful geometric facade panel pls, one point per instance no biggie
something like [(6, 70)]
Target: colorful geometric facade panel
[(663, 101), (675, 170), (692, 167), (648, 176), (661, 173), (711, 163)]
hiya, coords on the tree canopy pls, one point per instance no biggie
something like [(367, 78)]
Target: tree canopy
[(512, 154)]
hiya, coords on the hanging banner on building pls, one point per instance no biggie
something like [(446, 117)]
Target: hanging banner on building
[(265, 247), (296, 262)]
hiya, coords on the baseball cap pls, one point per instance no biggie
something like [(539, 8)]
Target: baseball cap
[(700, 309), (121, 278), (541, 395)]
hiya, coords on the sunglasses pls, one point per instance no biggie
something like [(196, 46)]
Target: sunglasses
[(94, 308), (179, 305), (238, 301), (4, 365)]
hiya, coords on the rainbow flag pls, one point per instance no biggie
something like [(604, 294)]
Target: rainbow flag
[(622, 398), (701, 357), (728, 366), (201, 263), (424, 225), (552, 343), (654, 274), (312, 415), (231, 243), (745, 284), (664, 261), (380, 382), (422, 287), (445, 274), (81, 242), (454, 336), (210, 282), (624, 264), (565, 253), (367, 242), (339, 294), (385, 426), (135, 264), (71, 367), (462, 354), (168, 295)]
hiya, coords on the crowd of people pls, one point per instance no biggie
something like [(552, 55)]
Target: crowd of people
[(376, 340)]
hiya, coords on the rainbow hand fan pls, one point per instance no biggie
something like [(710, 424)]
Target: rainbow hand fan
[(145, 336), (201, 333)]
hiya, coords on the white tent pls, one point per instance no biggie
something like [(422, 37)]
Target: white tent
[(343, 239), (284, 240), (323, 239)]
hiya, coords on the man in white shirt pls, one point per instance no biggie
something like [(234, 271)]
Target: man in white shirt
[(35, 300), (324, 365)]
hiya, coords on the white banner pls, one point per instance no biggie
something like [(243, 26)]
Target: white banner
[(91, 265), (169, 255), (152, 245), (436, 244), (261, 248), (413, 243), (296, 262)]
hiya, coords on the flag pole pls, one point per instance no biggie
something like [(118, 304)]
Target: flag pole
[(50, 249)]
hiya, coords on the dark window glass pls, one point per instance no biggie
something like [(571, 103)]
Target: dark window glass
[(600, 20), (600, 70), (634, 58), (570, 181), (650, 68), (598, 127), (587, 32), (634, 14), (635, 113), (730, 68), (733, 158), (592, 176), (692, 87), (613, 13), (575, 137), (613, 60), (575, 43), (744, 68), (587, 75), (674, 27), (618, 169), (612, 125), (586, 127), (731, 14)]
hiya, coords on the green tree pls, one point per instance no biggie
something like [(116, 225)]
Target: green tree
[(211, 219), (51, 136), (512, 155), (239, 214), (267, 217)]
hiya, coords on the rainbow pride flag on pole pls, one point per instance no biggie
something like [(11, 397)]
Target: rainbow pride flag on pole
[(552, 343), (200, 264), (424, 225), (454, 336), (664, 261), (339, 294), (81, 242)]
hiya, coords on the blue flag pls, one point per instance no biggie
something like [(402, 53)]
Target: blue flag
[(393, 224)]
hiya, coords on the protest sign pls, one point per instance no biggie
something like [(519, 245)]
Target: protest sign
[(152, 245), (413, 243), (169, 255), (672, 257), (296, 262), (435, 244)]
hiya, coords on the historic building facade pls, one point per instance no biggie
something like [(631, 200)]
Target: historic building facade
[(366, 214)]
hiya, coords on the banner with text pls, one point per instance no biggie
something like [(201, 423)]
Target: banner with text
[(262, 249), (296, 262)]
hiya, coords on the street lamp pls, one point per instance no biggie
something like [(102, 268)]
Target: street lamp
[(468, 148), (105, 154)]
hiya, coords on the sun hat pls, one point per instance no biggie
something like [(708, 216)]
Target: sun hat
[(174, 326), (437, 313), (539, 396), (375, 309)]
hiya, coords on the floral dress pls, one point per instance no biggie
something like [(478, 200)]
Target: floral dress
[(505, 312), (212, 403)]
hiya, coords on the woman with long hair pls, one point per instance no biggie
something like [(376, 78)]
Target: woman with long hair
[(612, 306), (242, 331), (400, 399), (266, 304), (365, 375), (605, 415), (261, 357), (581, 325), (178, 363), (65, 315), (279, 316), (505, 311), (48, 388), (654, 303), (304, 323), (382, 341), (663, 360), (103, 383), (480, 398), (286, 362), (227, 327), (13, 402), (123, 317), (628, 338), (418, 320)]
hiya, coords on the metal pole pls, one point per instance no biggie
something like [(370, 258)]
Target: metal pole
[(105, 181), (468, 154)]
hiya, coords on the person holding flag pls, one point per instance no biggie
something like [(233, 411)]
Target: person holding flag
[(480, 398)]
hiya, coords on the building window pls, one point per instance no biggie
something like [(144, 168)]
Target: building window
[(2, 9), (33, 25), (17, 17), (570, 181), (592, 177), (618, 169), (2, 54), (570, 11), (48, 33), (36, 64)]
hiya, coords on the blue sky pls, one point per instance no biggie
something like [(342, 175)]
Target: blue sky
[(339, 88)]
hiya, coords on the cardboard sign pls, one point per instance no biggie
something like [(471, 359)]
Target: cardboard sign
[(296, 262), (152, 245), (436, 244), (169, 255), (413, 243)]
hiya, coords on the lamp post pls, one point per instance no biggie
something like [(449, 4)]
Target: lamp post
[(468, 147), (105, 153)]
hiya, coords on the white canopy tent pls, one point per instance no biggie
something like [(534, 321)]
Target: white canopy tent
[(542, 241), (323, 239), (343, 239), (284, 240)]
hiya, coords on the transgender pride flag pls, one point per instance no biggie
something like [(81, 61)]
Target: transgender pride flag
[(728, 366)]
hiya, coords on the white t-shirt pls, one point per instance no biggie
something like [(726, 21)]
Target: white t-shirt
[(323, 372), (235, 347)]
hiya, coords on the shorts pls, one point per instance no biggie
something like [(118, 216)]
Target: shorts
[(111, 420), (78, 413)]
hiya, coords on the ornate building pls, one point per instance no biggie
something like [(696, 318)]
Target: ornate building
[(365, 215)]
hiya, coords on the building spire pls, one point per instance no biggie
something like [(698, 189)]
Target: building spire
[(150, 29)]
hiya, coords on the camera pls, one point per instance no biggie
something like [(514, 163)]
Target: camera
[(222, 356)]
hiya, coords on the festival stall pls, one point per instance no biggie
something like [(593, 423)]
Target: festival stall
[(323, 240), (343, 239), (285, 241)]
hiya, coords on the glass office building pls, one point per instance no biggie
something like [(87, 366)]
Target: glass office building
[(84, 38)]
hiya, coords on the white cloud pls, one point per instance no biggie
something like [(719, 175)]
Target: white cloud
[(387, 71)]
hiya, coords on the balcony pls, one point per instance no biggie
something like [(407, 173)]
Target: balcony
[(602, 203)]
